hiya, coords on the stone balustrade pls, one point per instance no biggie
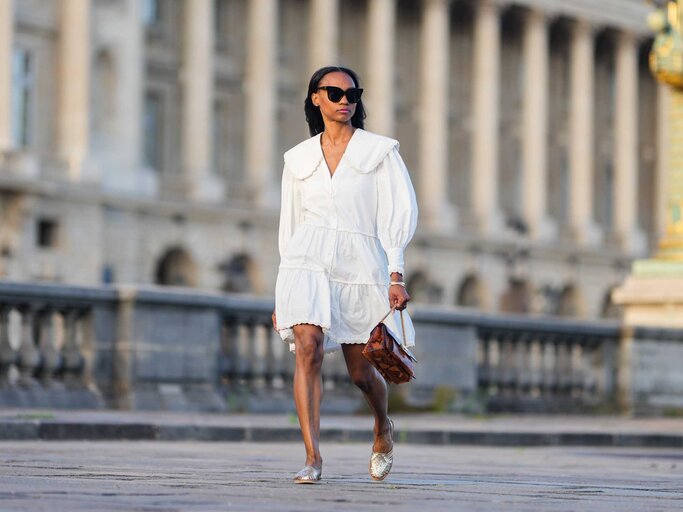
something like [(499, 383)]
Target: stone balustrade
[(178, 349)]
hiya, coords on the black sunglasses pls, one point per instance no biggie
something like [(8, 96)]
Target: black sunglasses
[(335, 94)]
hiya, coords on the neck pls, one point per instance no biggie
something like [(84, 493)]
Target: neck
[(338, 132)]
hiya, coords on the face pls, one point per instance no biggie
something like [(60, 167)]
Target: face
[(340, 112)]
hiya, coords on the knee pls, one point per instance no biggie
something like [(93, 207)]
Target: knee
[(309, 352), (363, 380)]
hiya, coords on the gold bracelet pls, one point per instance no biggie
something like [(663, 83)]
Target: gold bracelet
[(400, 283)]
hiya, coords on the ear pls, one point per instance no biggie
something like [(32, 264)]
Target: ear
[(314, 99)]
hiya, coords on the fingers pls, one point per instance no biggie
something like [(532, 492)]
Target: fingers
[(399, 299), (274, 319)]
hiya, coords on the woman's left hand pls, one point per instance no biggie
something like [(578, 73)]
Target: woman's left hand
[(398, 297)]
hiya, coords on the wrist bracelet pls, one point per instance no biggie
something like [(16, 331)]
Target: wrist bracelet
[(400, 283)]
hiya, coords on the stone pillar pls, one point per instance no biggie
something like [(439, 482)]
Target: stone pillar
[(73, 100), (486, 116), (123, 377), (581, 161), (381, 38), (261, 96), (435, 209), (6, 36), (198, 81), (626, 144), (535, 126), (323, 33), (130, 96)]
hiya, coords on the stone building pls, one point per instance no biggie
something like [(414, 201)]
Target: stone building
[(141, 140)]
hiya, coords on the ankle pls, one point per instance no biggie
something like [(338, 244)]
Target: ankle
[(315, 461)]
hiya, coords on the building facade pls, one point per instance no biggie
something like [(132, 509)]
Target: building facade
[(141, 140)]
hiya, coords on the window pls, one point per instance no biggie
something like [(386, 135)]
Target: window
[(151, 12), (23, 85), (153, 130), (47, 233)]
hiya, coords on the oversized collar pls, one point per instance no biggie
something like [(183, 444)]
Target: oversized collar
[(365, 152)]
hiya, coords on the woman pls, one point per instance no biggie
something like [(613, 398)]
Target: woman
[(348, 211)]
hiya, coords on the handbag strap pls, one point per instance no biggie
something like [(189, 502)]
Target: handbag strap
[(403, 325)]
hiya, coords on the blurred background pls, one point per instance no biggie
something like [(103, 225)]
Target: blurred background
[(143, 140), (141, 143)]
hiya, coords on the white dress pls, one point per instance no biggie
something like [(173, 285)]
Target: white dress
[(340, 237)]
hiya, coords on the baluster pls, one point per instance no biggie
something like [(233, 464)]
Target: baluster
[(563, 367), (228, 354), (507, 362), (495, 373), (278, 353), (243, 363), (521, 373), (535, 368), (577, 372), (549, 361), (258, 355), (484, 362), (29, 357), (340, 374), (8, 356), (72, 358), (47, 345), (289, 365)]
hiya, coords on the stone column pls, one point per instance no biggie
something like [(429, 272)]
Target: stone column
[(381, 37), (73, 100), (6, 36), (323, 33), (581, 131), (436, 211), (626, 143), (198, 81), (130, 96), (486, 116), (261, 96), (535, 126)]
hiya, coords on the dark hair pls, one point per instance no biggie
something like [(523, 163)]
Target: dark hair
[(313, 116)]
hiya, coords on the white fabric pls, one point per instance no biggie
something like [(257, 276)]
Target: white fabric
[(340, 236)]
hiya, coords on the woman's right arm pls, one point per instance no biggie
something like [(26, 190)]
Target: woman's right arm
[(290, 209)]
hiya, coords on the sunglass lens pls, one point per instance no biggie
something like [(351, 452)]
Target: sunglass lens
[(353, 95), (335, 94)]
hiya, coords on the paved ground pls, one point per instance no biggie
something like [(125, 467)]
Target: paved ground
[(195, 476), (444, 429)]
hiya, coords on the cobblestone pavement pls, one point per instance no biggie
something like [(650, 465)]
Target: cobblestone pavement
[(195, 476)]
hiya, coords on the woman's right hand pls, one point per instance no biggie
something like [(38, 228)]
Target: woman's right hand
[(274, 319)]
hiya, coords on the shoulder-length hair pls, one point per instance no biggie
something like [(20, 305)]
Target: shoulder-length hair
[(313, 116)]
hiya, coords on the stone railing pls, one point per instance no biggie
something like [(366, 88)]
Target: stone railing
[(177, 349), (46, 347)]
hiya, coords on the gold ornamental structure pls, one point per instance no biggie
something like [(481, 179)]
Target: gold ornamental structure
[(666, 63), (653, 294)]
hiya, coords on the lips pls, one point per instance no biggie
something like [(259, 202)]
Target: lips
[(343, 111)]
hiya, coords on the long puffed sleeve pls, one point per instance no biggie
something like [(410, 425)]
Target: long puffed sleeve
[(396, 209), (290, 209)]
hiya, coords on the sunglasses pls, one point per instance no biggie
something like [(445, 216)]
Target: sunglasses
[(335, 94)]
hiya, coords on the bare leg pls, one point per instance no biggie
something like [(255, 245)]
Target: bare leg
[(374, 389), (308, 341)]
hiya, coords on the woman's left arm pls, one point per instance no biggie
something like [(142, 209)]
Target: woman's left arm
[(396, 219)]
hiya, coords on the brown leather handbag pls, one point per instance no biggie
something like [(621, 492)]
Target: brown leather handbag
[(392, 359)]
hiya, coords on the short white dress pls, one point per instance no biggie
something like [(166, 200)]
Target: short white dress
[(340, 237)]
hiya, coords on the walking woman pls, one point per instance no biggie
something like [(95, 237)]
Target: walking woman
[(348, 212)]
